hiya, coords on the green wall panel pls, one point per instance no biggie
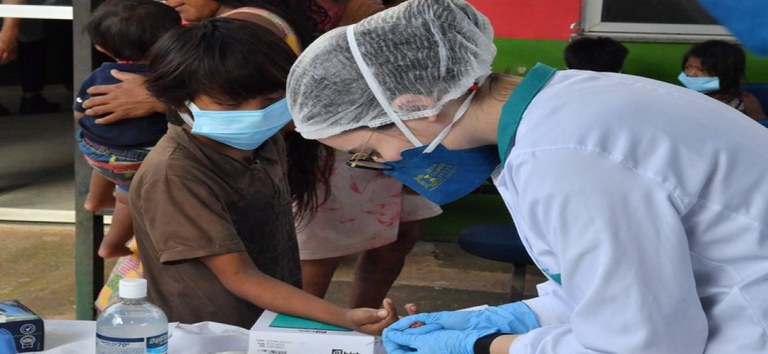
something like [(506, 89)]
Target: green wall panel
[(659, 61)]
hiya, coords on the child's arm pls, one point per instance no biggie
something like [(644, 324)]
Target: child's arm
[(239, 275), (9, 35), (752, 107)]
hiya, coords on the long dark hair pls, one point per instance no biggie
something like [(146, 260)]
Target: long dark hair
[(219, 57), (302, 15), (239, 60), (309, 161), (722, 59), (310, 165)]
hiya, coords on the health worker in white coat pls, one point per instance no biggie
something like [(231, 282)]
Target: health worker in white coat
[(645, 204)]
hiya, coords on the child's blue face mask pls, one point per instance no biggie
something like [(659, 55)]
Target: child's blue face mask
[(700, 84), (244, 130)]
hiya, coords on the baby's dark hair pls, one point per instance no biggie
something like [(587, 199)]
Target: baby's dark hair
[(725, 60), (221, 57), (128, 28), (596, 54)]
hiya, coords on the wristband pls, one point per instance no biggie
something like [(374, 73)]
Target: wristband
[(483, 344)]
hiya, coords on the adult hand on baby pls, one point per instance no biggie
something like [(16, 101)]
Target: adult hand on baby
[(124, 100)]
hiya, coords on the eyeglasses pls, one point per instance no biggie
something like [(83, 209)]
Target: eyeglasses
[(365, 161)]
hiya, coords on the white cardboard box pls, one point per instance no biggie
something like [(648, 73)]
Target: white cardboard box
[(280, 334)]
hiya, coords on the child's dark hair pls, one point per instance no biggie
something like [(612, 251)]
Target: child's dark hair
[(310, 164), (128, 28), (235, 60), (596, 54), (220, 57), (302, 15), (725, 60)]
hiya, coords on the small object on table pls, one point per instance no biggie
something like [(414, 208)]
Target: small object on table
[(24, 327)]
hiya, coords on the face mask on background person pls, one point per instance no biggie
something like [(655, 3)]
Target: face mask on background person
[(700, 84), (244, 129)]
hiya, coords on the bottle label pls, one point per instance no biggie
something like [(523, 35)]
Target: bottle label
[(150, 345), (158, 344)]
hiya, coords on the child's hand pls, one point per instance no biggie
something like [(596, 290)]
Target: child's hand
[(371, 321), (411, 309)]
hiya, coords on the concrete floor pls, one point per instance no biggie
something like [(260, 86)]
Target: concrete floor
[(37, 160), (37, 263)]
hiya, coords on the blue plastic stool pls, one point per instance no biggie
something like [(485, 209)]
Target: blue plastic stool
[(499, 243)]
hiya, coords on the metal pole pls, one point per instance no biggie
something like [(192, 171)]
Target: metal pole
[(89, 228)]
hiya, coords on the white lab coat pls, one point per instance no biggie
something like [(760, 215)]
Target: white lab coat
[(650, 201)]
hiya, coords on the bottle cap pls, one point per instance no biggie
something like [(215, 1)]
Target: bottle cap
[(133, 288)]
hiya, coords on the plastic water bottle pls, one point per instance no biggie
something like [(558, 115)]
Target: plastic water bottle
[(133, 325)]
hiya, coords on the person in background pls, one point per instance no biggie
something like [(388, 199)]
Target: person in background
[(25, 39), (131, 96), (716, 68), (596, 54), (370, 215), (367, 214), (353, 211), (130, 99), (211, 204), (645, 211), (123, 30)]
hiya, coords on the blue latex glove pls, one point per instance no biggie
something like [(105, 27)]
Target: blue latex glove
[(513, 318), (746, 19), (7, 343), (440, 341)]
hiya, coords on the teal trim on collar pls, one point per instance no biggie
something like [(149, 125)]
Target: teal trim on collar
[(513, 109), (556, 278)]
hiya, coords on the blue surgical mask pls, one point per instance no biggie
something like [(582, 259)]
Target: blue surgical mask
[(442, 175), (438, 174), (700, 84), (245, 130)]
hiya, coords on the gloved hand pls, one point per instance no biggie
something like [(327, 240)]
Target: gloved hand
[(439, 341), (513, 318)]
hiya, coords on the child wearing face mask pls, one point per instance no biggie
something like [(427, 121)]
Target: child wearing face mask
[(211, 205), (716, 68), (123, 30)]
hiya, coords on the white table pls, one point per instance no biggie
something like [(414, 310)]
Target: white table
[(79, 337)]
